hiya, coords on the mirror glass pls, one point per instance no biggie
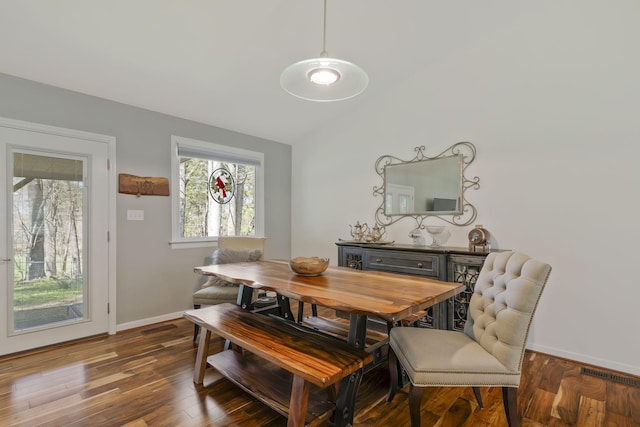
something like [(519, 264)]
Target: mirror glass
[(431, 186)]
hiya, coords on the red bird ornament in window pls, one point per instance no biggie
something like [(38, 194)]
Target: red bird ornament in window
[(222, 186)]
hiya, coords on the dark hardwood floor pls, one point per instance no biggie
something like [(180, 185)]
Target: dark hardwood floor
[(143, 377)]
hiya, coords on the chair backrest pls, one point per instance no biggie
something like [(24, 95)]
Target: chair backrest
[(234, 249), (230, 242), (504, 300)]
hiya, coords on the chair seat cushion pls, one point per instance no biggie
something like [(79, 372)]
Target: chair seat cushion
[(212, 295), (433, 357)]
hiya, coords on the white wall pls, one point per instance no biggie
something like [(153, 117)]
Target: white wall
[(551, 99)]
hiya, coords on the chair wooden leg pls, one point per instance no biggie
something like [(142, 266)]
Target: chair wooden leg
[(476, 392), (415, 393), (314, 311), (415, 400), (393, 375), (300, 311), (196, 328), (510, 402)]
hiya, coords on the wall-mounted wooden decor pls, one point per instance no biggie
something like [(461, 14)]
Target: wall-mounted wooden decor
[(143, 185)]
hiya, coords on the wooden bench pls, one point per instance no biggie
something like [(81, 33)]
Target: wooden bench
[(277, 353)]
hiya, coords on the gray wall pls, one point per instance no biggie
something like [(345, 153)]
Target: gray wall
[(152, 279)]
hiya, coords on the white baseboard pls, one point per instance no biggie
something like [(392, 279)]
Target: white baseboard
[(590, 360), (149, 321)]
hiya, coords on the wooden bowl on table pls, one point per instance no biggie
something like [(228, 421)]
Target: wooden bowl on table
[(313, 266)]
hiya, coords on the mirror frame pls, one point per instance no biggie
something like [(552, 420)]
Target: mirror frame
[(466, 214)]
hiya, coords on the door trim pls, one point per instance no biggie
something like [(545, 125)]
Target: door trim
[(111, 169)]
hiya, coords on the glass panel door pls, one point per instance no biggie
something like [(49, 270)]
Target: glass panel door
[(54, 228), (48, 230)]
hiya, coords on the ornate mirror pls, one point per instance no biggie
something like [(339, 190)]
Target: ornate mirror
[(427, 186)]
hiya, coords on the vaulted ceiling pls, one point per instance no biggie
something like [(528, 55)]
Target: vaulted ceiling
[(219, 61)]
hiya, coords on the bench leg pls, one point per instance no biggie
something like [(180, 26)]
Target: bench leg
[(298, 402), (196, 327), (201, 356), (345, 405)]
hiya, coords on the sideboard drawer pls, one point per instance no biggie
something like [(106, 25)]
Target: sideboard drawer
[(467, 259), (419, 264)]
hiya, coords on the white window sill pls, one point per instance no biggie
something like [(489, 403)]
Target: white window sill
[(189, 244)]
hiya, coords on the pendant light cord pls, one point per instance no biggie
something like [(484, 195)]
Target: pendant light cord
[(324, 53)]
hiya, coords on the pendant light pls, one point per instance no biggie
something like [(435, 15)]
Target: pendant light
[(324, 79)]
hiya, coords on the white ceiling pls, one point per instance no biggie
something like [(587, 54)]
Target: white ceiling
[(219, 61)]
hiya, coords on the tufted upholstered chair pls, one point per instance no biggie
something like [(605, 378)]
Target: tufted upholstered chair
[(490, 351), (230, 249)]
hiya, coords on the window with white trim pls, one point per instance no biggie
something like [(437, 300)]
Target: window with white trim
[(217, 190)]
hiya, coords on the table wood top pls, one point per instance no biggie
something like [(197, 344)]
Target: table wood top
[(388, 296)]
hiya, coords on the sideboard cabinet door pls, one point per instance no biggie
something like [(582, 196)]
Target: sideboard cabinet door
[(462, 269), (351, 257)]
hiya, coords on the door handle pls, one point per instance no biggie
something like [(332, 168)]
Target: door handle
[(5, 259)]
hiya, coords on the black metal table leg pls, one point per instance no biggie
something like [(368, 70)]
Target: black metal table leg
[(285, 308), (357, 330), (245, 295)]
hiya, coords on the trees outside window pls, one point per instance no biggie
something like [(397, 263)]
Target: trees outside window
[(47, 228), (201, 215)]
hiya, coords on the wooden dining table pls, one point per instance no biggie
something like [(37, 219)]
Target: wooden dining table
[(362, 295), (388, 296)]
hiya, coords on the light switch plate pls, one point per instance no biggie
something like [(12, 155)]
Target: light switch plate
[(135, 215)]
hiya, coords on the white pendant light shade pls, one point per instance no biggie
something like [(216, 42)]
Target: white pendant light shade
[(324, 79)]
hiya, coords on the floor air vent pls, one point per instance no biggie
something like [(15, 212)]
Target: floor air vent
[(633, 382)]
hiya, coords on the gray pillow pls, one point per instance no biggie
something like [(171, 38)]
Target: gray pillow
[(227, 256)]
